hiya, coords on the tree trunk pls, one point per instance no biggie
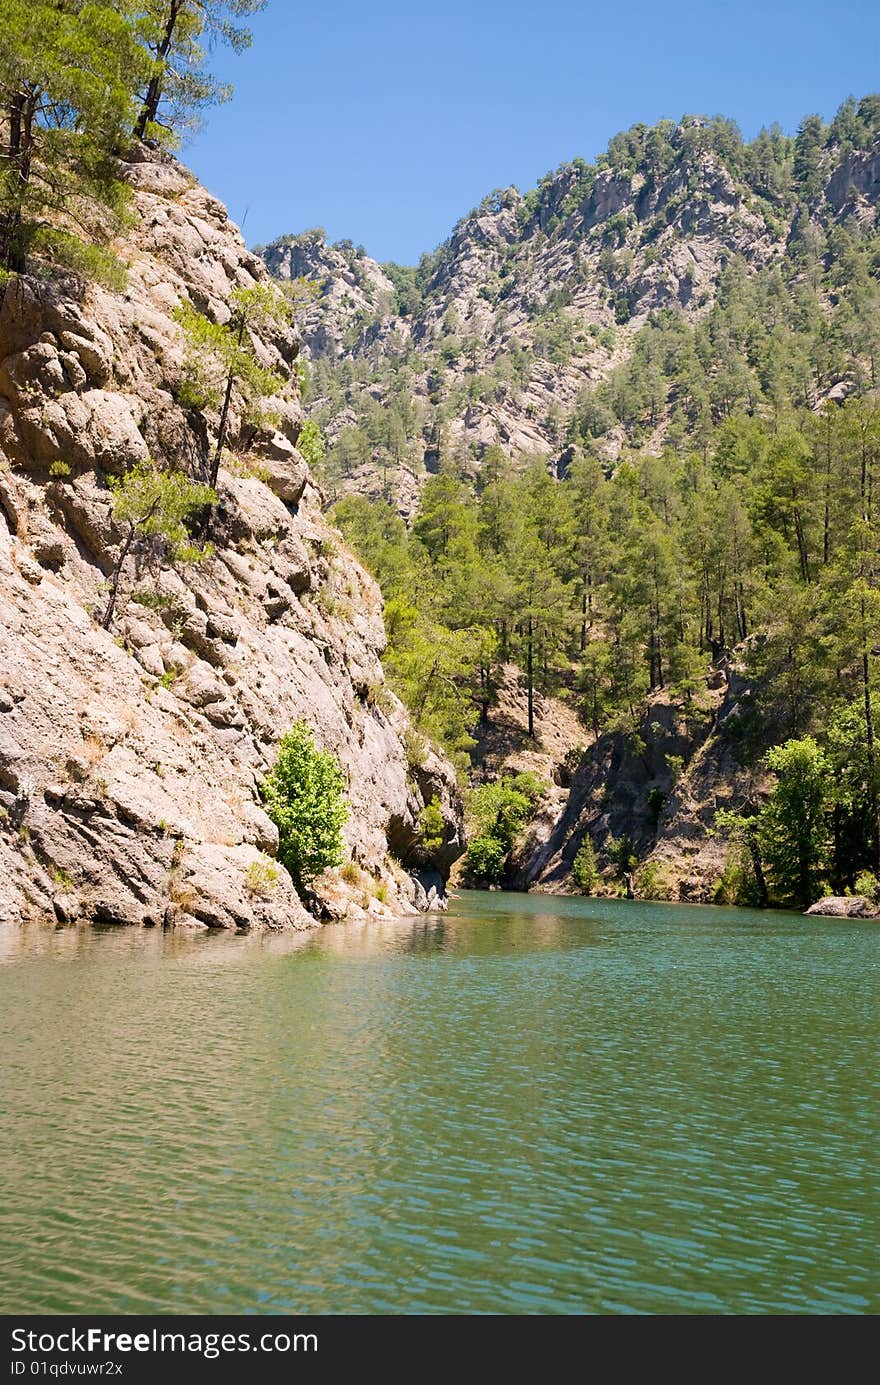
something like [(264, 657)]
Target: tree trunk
[(485, 696), (826, 527), (221, 433), (873, 800), (20, 154), (837, 851), (802, 546), (117, 574), (530, 674), (150, 109)]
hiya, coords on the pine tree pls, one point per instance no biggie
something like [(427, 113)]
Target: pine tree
[(179, 86), (68, 76), (152, 503), (221, 357)]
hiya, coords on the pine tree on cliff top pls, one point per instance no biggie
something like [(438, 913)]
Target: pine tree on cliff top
[(68, 76), (179, 85)]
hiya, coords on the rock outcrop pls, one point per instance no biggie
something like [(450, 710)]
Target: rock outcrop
[(845, 907), (657, 787), (130, 759), (349, 288)]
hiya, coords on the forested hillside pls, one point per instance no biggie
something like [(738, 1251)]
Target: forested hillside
[(623, 433)]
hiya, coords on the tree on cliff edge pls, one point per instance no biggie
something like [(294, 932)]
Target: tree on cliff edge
[(179, 85), (68, 75)]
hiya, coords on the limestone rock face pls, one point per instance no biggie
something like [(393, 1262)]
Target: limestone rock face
[(346, 282), (131, 759)]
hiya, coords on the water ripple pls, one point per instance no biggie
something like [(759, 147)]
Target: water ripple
[(529, 1106)]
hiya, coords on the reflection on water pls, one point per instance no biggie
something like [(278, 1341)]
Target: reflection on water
[(527, 1105)]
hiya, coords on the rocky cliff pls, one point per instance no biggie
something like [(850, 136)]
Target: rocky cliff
[(656, 788), (349, 287), (130, 759), (656, 785)]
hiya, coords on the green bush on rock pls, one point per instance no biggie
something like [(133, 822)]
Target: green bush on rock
[(868, 885), (304, 797)]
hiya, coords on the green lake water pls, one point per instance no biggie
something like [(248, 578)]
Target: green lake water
[(530, 1105)]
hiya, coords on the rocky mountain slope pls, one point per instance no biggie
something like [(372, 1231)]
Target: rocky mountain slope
[(348, 286), (658, 791), (662, 329), (130, 759), (536, 298)]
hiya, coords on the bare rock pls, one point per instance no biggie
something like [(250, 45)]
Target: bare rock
[(845, 907), (131, 796), (286, 470), (149, 656), (236, 887)]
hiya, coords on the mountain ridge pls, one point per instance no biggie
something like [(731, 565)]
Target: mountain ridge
[(536, 298)]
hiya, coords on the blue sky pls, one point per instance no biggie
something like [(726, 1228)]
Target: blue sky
[(386, 122)]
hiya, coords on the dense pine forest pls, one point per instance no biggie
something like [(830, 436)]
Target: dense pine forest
[(708, 499)]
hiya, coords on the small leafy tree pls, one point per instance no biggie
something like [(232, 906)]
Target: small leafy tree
[(794, 821), (221, 356), (868, 885), (498, 812), (584, 871), (152, 503), (302, 294), (311, 443), (305, 798), (744, 834), (432, 827), (620, 851)]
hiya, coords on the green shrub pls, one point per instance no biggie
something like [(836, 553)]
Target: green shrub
[(416, 748), (584, 871), (89, 262), (620, 851), (652, 882), (485, 858), (260, 878), (868, 885), (311, 443), (738, 884), (432, 827), (497, 812), (304, 797)]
